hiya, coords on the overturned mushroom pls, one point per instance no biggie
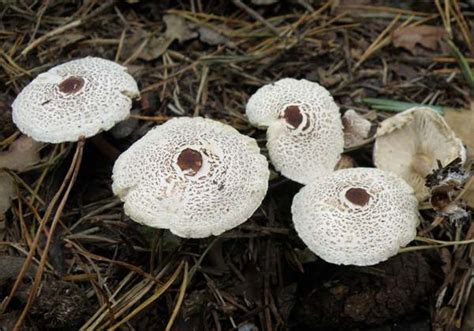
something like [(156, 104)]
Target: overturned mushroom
[(358, 216), (194, 176), (75, 99), (412, 142), (304, 135)]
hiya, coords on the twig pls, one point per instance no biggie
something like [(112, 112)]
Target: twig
[(465, 68), (46, 216), (182, 291), (71, 25), (257, 16), (71, 176), (150, 300), (377, 43), (50, 34), (467, 35)]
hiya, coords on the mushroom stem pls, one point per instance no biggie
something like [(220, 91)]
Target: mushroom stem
[(216, 255), (105, 147)]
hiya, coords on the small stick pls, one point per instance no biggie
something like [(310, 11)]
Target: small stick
[(378, 41), (66, 27), (42, 224), (182, 291), (72, 174), (50, 34), (71, 177), (151, 299), (257, 16)]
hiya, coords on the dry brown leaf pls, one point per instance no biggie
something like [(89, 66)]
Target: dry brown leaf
[(468, 197), (329, 79), (22, 153), (176, 29), (424, 35), (70, 38), (6, 127), (155, 47), (7, 192), (212, 37), (462, 123), (10, 266)]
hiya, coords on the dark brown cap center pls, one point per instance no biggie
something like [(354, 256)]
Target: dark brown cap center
[(189, 159), (71, 85), (358, 196), (293, 116)]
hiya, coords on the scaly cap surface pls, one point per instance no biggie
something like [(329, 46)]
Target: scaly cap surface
[(74, 99), (358, 216), (194, 176), (304, 135)]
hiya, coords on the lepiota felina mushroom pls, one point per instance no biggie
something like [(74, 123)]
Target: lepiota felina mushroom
[(358, 216), (304, 136), (194, 176), (76, 99), (70, 102), (412, 142)]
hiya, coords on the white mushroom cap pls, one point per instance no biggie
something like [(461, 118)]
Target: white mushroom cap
[(304, 136), (194, 176), (74, 99), (410, 144), (359, 216)]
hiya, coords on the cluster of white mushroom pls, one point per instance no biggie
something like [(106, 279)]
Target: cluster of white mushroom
[(194, 176), (198, 177), (358, 216)]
